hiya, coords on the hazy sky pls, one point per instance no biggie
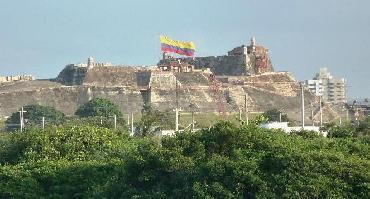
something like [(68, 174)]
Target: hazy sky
[(40, 37)]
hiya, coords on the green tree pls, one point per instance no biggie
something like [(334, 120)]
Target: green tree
[(273, 115), (153, 120), (99, 107), (34, 115)]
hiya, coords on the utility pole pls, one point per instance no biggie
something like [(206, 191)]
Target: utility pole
[(177, 106), (43, 123), (101, 120), (302, 97), (246, 109), (177, 93), (280, 116), (115, 121), (177, 119), (128, 119), (320, 105), (21, 118)]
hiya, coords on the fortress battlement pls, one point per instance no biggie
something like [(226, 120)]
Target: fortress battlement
[(242, 60)]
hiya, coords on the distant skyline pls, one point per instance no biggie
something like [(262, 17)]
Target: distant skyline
[(41, 37)]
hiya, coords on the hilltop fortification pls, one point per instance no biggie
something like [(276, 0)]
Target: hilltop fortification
[(243, 60), (207, 82)]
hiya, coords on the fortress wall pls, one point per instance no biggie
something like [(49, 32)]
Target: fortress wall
[(127, 99), (167, 80), (111, 76), (222, 65), (68, 99), (65, 99), (194, 79), (162, 79)]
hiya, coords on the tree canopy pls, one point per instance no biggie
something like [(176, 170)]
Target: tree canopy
[(99, 107), (224, 161)]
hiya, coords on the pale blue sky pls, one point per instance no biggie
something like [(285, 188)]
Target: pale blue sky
[(41, 36)]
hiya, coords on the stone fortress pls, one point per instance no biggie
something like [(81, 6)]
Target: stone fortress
[(207, 82)]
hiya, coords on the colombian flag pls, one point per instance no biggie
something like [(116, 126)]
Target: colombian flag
[(179, 47)]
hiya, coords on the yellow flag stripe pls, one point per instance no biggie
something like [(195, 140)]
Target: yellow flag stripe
[(180, 44)]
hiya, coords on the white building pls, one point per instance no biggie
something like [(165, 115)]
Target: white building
[(331, 89), (287, 129)]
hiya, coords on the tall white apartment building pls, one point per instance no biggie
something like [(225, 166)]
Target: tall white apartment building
[(331, 89)]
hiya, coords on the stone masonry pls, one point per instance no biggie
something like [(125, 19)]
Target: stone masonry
[(243, 60)]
